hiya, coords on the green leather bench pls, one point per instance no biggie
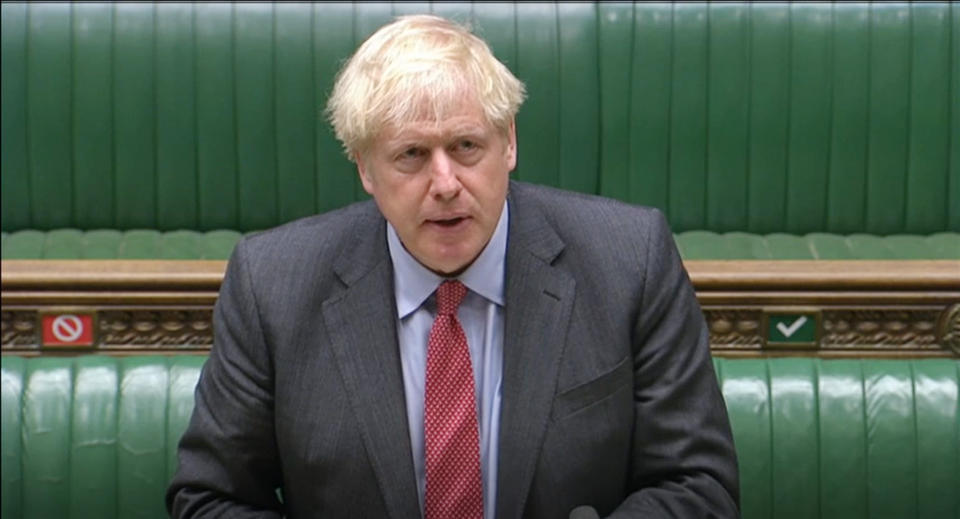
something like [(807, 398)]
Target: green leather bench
[(773, 124), (96, 436), (693, 245)]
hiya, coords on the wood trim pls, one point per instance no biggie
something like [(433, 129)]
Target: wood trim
[(706, 275), (99, 296), (830, 275), (111, 274), (826, 297)]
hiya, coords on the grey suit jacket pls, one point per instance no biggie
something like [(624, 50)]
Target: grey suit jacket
[(609, 397)]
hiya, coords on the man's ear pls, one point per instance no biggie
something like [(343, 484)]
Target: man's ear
[(512, 146), (365, 174)]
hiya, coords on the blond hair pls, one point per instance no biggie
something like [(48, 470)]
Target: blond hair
[(415, 68)]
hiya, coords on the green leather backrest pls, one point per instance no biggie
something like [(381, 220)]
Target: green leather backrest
[(845, 438), (92, 436), (693, 245), (96, 436), (135, 244), (762, 118)]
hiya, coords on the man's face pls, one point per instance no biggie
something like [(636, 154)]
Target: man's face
[(441, 184)]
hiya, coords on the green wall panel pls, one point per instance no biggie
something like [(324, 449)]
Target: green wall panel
[(808, 131), (176, 119), (846, 185), (688, 118), (48, 114), (333, 40), (407, 8), (254, 73), (461, 12), (134, 115), (648, 176), (616, 43), (579, 109), (497, 24), (755, 117), (889, 117), (15, 181), (727, 115), (296, 114), (538, 65), (929, 143), (769, 94), (367, 18), (93, 185), (953, 189), (217, 193)]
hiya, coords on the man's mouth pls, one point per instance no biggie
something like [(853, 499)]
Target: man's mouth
[(448, 222)]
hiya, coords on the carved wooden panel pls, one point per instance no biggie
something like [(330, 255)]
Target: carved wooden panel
[(734, 328), (156, 328), (19, 329), (149, 329), (840, 308), (949, 328), (881, 328)]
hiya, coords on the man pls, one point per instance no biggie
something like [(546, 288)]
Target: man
[(462, 345)]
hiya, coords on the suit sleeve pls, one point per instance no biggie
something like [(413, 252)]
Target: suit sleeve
[(228, 461), (684, 463)]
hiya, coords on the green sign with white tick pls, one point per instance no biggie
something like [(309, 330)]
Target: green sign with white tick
[(792, 329)]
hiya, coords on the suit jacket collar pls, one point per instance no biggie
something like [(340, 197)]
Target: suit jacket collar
[(538, 305), (361, 322), (539, 298)]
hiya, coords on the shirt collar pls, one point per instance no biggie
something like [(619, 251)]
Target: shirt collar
[(413, 283)]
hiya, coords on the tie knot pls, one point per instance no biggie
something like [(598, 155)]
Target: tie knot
[(449, 296)]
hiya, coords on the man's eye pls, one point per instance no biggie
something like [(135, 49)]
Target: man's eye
[(466, 145), (411, 153)]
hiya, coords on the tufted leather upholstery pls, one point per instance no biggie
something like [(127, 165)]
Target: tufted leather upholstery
[(693, 245), (96, 436), (113, 244)]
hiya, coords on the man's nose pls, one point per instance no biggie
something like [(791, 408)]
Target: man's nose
[(444, 182)]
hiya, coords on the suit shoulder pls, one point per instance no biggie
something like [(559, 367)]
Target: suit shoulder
[(317, 237), (570, 210)]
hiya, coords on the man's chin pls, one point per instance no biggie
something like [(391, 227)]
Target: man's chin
[(451, 265), (450, 270)]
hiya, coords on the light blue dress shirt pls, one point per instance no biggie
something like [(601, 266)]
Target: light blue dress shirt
[(481, 315)]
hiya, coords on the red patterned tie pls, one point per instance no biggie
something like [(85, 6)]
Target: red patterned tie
[(454, 487)]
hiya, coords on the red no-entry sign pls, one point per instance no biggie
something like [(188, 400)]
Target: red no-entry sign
[(62, 329)]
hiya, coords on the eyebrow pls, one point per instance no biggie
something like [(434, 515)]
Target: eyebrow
[(412, 134)]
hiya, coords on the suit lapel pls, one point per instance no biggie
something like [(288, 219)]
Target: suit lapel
[(539, 299), (361, 322)]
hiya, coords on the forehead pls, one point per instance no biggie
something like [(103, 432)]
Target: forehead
[(468, 119)]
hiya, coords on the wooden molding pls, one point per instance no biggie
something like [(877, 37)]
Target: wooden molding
[(705, 275), (95, 275), (824, 275), (858, 308)]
